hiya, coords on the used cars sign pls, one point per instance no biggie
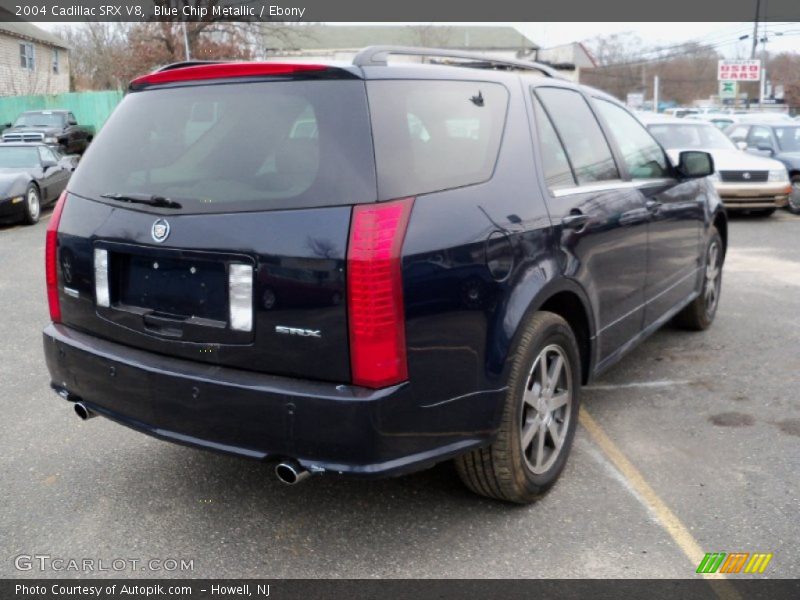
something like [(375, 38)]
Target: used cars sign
[(739, 70)]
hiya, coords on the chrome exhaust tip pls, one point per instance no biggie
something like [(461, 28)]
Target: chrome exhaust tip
[(84, 413), (290, 473)]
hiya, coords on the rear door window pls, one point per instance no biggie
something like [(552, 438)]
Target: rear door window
[(557, 171), (237, 146), (435, 135), (584, 142)]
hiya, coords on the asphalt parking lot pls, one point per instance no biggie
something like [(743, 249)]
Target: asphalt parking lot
[(690, 445)]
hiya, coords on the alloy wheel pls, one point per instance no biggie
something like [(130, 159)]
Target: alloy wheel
[(546, 409), (713, 278)]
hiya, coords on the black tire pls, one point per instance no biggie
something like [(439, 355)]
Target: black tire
[(699, 314), (32, 205), (793, 206), (503, 470)]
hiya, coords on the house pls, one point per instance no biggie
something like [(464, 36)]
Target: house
[(341, 42), (568, 59), (32, 61)]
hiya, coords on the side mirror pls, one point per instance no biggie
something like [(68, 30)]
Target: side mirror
[(6, 125), (49, 164), (72, 122), (765, 147), (741, 145), (693, 164)]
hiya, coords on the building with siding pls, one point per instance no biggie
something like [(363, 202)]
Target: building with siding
[(32, 61)]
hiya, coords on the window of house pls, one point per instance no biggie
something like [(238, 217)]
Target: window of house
[(56, 65), (26, 56)]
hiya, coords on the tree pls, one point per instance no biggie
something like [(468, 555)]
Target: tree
[(99, 55)]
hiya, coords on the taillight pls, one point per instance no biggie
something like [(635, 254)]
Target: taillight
[(51, 260), (375, 293)]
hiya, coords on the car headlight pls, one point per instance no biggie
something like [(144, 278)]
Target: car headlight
[(51, 140), (714, 176), (778, 175)]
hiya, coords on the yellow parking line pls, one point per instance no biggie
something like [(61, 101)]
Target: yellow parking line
[(666, 518)]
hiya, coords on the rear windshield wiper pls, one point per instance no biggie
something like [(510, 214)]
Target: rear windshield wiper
[(149, 199)]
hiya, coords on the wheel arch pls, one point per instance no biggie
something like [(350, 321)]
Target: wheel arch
[(566, 298), (720, 221)]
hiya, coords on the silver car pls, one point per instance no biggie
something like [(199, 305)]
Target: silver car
[(744, 182)]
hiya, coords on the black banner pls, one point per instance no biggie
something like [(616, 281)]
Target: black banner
[(405, 11), (396, 589)]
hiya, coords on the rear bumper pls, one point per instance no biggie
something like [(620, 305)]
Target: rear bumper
[(753, 195), (324, 426)]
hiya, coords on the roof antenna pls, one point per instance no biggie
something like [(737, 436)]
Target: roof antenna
[(477, 100)]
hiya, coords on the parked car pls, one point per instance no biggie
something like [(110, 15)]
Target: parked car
[(53, 127), (31, 176), (745, 182), (564, 243), (719, 120), (779, 140), (681, 112)]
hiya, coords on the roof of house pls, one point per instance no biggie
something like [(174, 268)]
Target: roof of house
[(351, 37), (28, 31), (574, 52)]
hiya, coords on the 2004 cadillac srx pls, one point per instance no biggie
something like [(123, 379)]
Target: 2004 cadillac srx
[(366, 269)]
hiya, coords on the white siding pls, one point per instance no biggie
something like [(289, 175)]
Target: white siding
[(18, 81)]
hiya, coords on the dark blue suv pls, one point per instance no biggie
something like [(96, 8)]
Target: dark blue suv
[(367, 269)]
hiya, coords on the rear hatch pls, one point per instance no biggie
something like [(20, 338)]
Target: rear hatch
[(209, 219)]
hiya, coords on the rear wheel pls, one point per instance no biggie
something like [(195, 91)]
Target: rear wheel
[(699, 314), (794, 197), (33, 207), (539, 417)]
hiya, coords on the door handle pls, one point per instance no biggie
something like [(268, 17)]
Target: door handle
[(575, 221), (653, 205)]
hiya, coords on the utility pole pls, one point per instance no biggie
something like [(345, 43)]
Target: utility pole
[(656, 93), (186, 42), (755, 29)]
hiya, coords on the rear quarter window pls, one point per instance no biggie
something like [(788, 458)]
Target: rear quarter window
[(435, 135)]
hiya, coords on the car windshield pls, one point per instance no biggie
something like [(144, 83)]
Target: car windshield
[(18, 157), (692, 136), (40, 119), (788, 138)]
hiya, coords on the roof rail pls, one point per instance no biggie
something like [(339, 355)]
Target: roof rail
[(187, 63), (376, 56)]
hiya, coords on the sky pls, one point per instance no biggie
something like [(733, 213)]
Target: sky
[(724, 36)]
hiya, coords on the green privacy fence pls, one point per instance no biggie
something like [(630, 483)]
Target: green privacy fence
[(90, 108)]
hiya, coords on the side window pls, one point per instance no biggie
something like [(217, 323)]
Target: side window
[(759, 136), (738, 133), (435, 135), (642, 155), (584, 142), (557, 172), (46, 154)]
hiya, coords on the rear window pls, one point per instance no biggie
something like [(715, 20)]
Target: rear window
[(435, 135), (237, 147)]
